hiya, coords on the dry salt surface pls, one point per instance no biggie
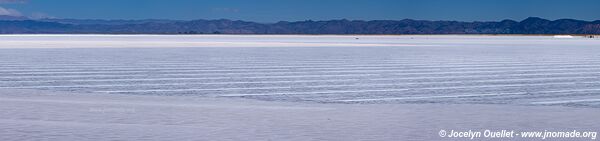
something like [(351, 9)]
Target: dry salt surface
[(293, 87), (41, 115), (174, 41)]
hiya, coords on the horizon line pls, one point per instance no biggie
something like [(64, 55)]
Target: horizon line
[(342, 19)]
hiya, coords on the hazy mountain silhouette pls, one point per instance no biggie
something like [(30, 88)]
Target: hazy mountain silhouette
[(16, 25)]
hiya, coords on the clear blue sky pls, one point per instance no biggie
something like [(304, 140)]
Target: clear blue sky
[(295, 10)]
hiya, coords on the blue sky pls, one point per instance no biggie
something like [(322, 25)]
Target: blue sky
[(297, 10)]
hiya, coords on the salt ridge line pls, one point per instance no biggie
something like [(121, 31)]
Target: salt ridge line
[(150, 104), (290, 69), (403, 89), (78, 72), (74, 76), (243, 75), (296, 61), (428, 97), (316, 86), (468, 73), (483, 76), (185, 83), (200, 78), (291, 65), (264, 63), (338, 64), (130, 69), (565, 101), (226, 78), (497, 85), (317, 92), (278, 81), (246, 65), (278, 52), (272, 77), (197, 89), (309, 67), (402, 72), (473, 95), (483, 80), (521, 99), (265, 59)]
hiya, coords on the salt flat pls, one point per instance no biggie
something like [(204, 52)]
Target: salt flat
[(43, 115), (261, 87), (516, 70), (162, 41)]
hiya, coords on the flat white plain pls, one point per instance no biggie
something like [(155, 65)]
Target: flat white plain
[(517, 70), (204, 87)]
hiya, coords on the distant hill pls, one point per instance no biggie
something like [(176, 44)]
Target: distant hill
[(20, 25)]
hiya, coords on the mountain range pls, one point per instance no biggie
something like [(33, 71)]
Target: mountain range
[(533, 25)]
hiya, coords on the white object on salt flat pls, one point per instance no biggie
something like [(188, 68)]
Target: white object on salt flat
[(563, 36)]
